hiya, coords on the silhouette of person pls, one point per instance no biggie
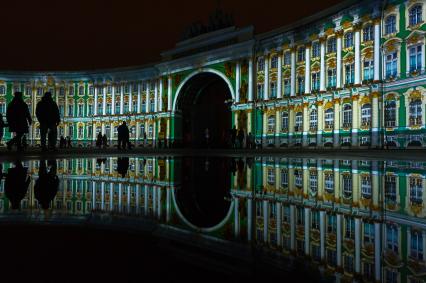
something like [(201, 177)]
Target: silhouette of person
[(47, 184), (69, 142), (99, 140), (19, 118), (123, 136), (2, 126), (62, 142), (240, 137), (233, 136), (104, 141), (122, 166), (47, 113), (16, 184)]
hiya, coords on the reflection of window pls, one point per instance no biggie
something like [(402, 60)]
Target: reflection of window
[(298, 178), (392, 237), (329, 183), (368, 233), (416, 245), (366, 187), (271, 176), (390, 189), (390, 24), (313, 181), (331, 224), (349, 228), (347, 186), (416, 190), (284, 178)]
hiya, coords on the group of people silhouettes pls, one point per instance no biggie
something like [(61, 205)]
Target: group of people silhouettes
[(239, 139)]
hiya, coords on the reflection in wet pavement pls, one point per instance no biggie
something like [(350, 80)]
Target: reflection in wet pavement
[(341, 219)]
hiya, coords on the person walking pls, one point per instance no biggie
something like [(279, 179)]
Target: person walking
[(18, 118), (47, 113), (104, 141), (2, 126), (240, 136), (69, 142), (123, 136), (99, 140)]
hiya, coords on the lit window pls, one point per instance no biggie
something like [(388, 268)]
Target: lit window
[(390, 113), (349, 39), (368, 33), (415, 58), (391, 65), (274, 61), (313, 119), (415, 112), (368, 69), (390, 24), (316, 49), (301, 54), (331, 45), (415, 15)]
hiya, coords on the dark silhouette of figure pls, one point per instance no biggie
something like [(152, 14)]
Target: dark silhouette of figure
[(249, 141), (47, 113), (69, 142), (47, 184), (16, 184), (145, 142), (62, 142), (233, 136), (104, 141), (19, 118), (122, 166), (24, 142), (2, 126), (99, 140), (123, 136), (240, 137)]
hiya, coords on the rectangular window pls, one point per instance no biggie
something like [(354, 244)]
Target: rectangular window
[(274, 62), (368, 70), (287, 87), (391, 65), (331, 77), (287, 58), (301, 54), (316, 81), (260, 91), (315, 49), (415, 58), (300, 85), (273, 90), (350, 73), (331, 45)]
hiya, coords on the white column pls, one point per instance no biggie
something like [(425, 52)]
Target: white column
[(357, 245), (266, 79), (265, 221), (121, 99), (322, 234), (377, 251), (104, 101), (237, 81), (377, 50), (280, 76), (307, 69), (293, 73), (339, 60), (139, 98), (339, 231), (113, 99), (322, 67), (96, 100), (155, 96), (236, 218), (111, 197), (169, 93), (249, 218), (130, 98), (146, 205), (161, 95), (103, 195), (251, 82), (279, 237), (307, 229), (357, 57), (147, 96)]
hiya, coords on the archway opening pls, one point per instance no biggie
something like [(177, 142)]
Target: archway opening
[(202, 104)]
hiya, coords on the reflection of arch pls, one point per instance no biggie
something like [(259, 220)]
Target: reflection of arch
[(202, 70), (208, 229)]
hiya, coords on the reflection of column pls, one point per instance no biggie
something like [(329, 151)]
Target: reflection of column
[(93, 195), (128, 198), (159, 202), (279, 238), (111, 197), (236, 218), (251, 82), (292, 227), (120, 193), (307, 229), (322, 234), (339, 231), (103, 195), (358, 245), (146, 199), (169, 93), (154, 201), (137, 199), (249, 218), (265, 221), (377, 251)]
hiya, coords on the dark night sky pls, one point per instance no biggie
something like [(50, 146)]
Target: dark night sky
[(91, 34)]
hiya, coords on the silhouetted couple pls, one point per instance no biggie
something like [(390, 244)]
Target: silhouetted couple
[(101, 141), (123, 136), (47, 113)]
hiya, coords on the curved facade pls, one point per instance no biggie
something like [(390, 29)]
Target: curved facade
[(352, 75)]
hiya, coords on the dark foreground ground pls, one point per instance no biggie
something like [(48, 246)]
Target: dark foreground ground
[(46, 253), (361, 154)]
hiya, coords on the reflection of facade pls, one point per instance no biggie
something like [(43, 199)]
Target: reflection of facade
[(327, 82), (354, 218)]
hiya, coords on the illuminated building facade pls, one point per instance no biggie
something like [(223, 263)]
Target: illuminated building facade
[(352, 75)]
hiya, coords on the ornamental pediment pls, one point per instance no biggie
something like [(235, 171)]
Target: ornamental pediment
[(415, 37), (392, 44)]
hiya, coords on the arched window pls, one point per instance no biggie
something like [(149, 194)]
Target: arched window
[(329, 183), (390, 24), (313, 182), (349, 39), (284, 121), (347, 186), (366, 114), (331, 45), (368, 33), (313, 119), (271, 123), (329, 118), (81, 90), (298, 124), (390, 113), (415, 112), (347, 116), (415, 15)]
